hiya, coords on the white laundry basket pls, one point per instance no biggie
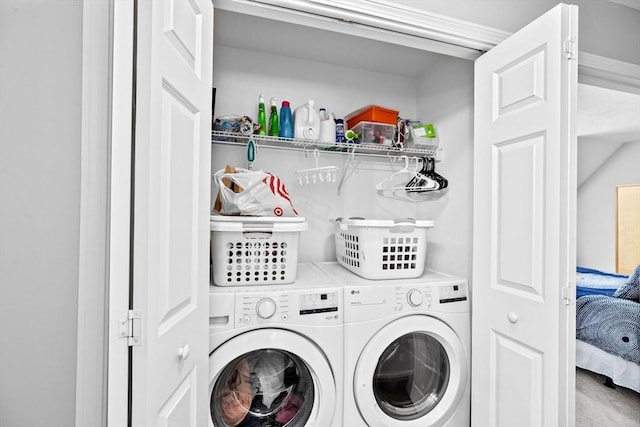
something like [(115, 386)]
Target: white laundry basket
[(382, 249), (254, 250)]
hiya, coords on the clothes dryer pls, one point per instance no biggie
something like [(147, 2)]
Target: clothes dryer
[(276, 353), (407, 350)]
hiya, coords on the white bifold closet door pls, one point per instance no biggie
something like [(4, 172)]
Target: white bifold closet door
[(523, 363)]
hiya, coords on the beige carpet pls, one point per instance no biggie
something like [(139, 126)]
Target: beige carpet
[(600, 406)]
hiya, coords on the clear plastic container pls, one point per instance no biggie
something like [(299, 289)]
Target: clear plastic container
[(423, 136), (374, 133)]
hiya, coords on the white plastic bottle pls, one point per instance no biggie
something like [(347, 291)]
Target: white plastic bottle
[(327, 127), (307, 122)]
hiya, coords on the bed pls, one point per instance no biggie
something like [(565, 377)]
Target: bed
[(608, 325)]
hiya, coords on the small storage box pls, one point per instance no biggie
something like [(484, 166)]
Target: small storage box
[(372, 113), (254, 250), (423, 136), (375, 133), (382, 249)]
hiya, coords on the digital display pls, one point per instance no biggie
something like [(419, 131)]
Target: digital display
[(318, 310), (321, 302)]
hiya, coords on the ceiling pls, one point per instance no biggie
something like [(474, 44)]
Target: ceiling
[(604, 115), (607, 119), (608, 115), (634, 4)]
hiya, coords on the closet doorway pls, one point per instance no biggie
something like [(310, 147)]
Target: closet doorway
[(608, 131), (608, 197)]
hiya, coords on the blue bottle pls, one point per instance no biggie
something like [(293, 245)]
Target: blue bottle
[(340, 130), (286, 121)]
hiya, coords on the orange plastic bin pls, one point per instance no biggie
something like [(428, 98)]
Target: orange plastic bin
[(372, 113)]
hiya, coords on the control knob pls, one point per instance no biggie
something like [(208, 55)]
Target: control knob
[(414, 297), (266, 308)]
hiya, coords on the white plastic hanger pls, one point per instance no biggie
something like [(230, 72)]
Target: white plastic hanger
[(398, 180)]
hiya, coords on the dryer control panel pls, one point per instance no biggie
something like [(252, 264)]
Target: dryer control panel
[(299, 307), (377, 301)]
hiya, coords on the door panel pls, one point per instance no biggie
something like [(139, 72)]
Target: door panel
[(518, 176), (524, 227), (520, 83), (171, 212), (517, 392)]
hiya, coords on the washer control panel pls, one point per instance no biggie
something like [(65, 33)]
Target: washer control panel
[(454, 292), (294, 307)]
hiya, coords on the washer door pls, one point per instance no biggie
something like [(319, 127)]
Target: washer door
[(270, 377), (413, 372)]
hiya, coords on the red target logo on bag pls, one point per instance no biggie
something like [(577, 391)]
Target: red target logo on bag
[(278, 188)]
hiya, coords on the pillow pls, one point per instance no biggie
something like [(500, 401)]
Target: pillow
[(631, 290)]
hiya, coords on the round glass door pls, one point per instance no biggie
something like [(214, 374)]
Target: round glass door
[(267, 387), (412, 373), (411, 376)]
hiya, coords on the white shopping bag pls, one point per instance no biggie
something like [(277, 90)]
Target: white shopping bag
[(252, 193)]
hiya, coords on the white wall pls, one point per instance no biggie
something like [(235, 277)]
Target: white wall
[(443, 96), (446, 99), (597, 209), (40, 90), (605, 28)]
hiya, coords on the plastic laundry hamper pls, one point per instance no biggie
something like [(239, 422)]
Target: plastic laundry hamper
[(254, 250), (382, 249)]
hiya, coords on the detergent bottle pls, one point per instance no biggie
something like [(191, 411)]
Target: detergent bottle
[(307, 122), (286, 121), (327, 127)]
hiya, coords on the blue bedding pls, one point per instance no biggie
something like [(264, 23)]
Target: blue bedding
[(608, 312), (611, 324), (595, 282)]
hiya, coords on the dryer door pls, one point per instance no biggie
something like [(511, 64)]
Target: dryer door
[(413, 372), (270, 377)]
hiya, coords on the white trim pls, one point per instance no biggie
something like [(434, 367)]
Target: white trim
[(609, 73), (380, 20), (91, 364), (119, 209)]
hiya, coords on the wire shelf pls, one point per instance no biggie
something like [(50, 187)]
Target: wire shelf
[(234, 138)]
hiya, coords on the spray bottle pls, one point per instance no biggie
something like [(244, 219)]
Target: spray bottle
[(262, 117), (273, 118)]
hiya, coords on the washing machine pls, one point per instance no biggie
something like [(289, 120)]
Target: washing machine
[(276, 353), (407, 350)]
